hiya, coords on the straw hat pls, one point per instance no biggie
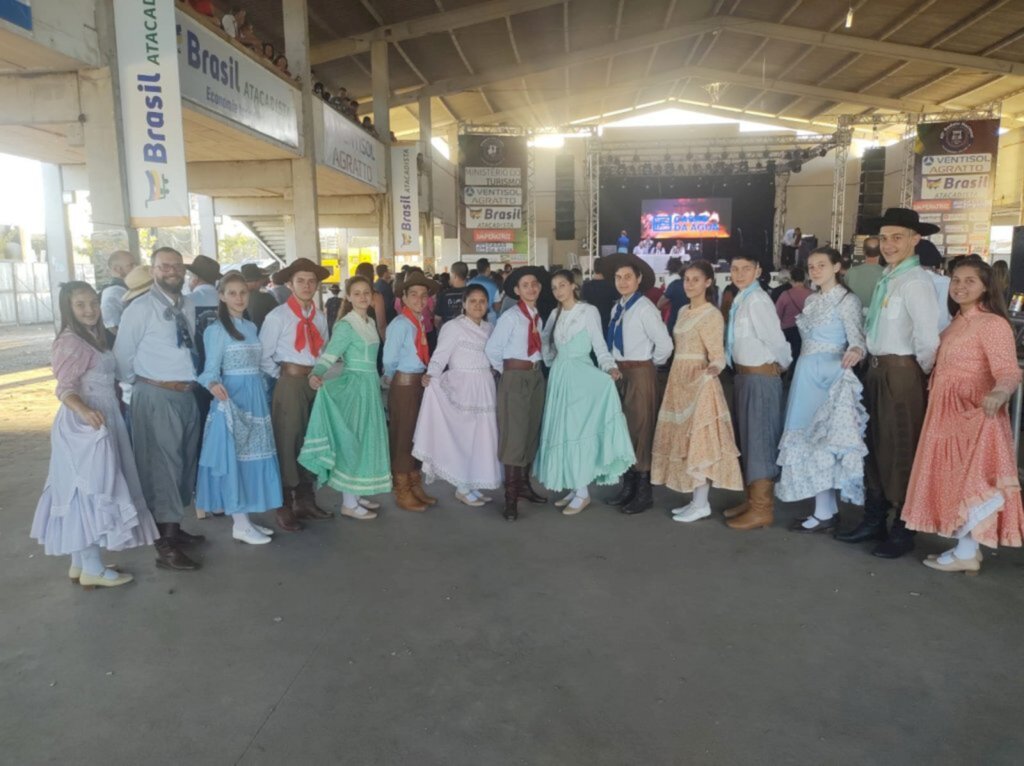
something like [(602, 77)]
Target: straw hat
[(138, 281)]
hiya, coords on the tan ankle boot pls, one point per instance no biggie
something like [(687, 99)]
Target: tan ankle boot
[(404, 497), (739, 510), (416, 485), (762, 507)]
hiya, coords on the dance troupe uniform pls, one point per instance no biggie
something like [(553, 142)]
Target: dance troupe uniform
[(456, 434), (759, 352), (292, 338), (346, 444), (822, 448), (694, 446), (584, 436)]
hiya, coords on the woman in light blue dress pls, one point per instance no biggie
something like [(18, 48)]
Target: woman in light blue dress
[(822, 448), (238, 469), (584, 437)]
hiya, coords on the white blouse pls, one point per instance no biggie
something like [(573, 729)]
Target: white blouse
[(583, 317)]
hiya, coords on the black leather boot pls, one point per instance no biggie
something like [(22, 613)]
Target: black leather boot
[(511, 512), (168, 554), (626, 492), (526, 490), (643, 499), (872, 526), (184, 538), (899, 542)]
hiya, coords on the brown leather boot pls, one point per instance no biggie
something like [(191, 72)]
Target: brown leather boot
[(762, 507), (404, 496), (526, 490), (285, 515), (416, 485), (168, 554), (305, 506), (512, 481), (739, 510)]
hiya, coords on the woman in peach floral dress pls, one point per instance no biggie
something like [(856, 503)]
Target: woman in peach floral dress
[(694, 446), (964, 483)]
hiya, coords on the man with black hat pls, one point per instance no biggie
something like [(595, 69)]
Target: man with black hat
[(639, 343), (202, 288), (514, 350), (292, 337), (406, 355), (931, 262), (261, 302), (902, 339)]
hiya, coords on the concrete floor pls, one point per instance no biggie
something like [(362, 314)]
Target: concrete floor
[(455, 638)]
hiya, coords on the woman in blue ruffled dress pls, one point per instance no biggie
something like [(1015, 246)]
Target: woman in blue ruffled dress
[(822, 448), (238, 469)]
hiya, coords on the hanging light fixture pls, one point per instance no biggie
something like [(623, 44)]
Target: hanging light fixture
[(849, 17)]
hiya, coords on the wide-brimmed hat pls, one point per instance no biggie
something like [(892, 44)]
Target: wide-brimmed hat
[(205, 268), (300, 264), (253, 273), (138, 281), (609, 264), (417, 279), (511, 281), (928, 254), (908, 219)]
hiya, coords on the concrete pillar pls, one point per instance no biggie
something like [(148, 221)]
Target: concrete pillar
[(382, 122), (427, 178), (304, 224), (207, 226), (60, 256)]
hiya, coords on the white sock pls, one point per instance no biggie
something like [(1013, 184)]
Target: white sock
[(966, 547), (465, 491), (582, 493), (76, 559), (474, 495), (92, 563), (700, 495), (349, 500)]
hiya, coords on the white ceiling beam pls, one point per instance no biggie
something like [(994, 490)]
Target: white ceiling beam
[(241, 207), (39, 99), (251, 174), (437, 23)]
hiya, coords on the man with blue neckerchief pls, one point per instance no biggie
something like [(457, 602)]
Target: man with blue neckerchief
[(758, 351)]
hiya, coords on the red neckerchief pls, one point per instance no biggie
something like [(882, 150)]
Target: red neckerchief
[(306, 330), (533, 339), (422, 349)]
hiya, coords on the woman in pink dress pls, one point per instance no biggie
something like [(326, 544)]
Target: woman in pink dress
[(92, 499), (457, 430), (964, 482)]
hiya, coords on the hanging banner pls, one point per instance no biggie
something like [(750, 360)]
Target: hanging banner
[(17, 12), (405, 199), (147, 65), (347, 148), (226, 81), (492, 196), (954, 180)]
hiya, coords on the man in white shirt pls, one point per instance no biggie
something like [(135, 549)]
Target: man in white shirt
[(292, 337), (931, 262), (758, 350), (155, 352), (514, 351), (902, 339), (639, 342), (119, 264)]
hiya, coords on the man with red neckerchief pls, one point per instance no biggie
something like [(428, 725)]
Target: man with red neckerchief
[(292, 337), (406, 354), (514, 350)]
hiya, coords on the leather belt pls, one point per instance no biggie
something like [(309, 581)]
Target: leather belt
[(520, 364), (181, 386), (893, 360), (629, 364), (296, 370), (407, 379), (771, 369)]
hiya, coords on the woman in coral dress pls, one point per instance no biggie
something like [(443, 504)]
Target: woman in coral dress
[(964, 482), (456, 435), (694, 445)]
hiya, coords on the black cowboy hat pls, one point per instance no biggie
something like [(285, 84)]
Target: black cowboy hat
[(253, 273), (417, 278), (512, 280), (609, 264), (300, 264), (928, 254), (205, 268), (908, 219)]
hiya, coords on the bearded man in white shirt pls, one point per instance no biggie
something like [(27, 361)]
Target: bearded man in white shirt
[(902, 339)]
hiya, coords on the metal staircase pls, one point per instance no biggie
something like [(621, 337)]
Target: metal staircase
[(269, 232)]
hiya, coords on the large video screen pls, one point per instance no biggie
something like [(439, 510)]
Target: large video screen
[(690, 218)]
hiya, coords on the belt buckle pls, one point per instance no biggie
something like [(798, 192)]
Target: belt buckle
[(874, 361)]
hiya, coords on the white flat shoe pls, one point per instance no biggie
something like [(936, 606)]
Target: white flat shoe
[(466, 500), (571, 509), (91, 582), (691, 512), (368, 504), (359, 513), (483, 498), (251, 536), (969, 567), (565, 500), (263, 530), (75, 573)]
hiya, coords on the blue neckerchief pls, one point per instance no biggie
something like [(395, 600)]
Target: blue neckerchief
[(730, 331), (614, 336)]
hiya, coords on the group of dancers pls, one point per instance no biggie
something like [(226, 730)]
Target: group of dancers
[(479, 412)]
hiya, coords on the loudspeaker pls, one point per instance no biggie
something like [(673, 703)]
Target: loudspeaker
[(1017, 261), (565, 197), (872, 180)]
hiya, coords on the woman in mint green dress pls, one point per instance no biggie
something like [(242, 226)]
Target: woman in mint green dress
[(584, 437), (346, 444)]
